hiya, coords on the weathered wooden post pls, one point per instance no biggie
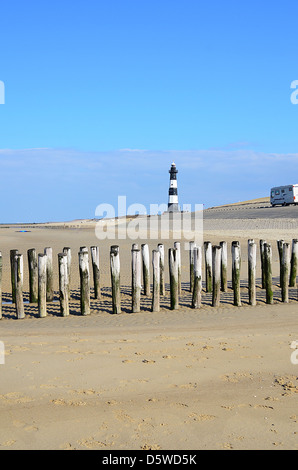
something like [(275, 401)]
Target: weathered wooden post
[(280, 244), (197, 290), (279, 247), (1, 267), (224, 266), (115, 278), (161, 250), (236, 266), (136, 280), (67, 251), (12, 271), (216, 277), (50, 292), (262, 256), (19, 270), (95, 269), (84, 282), (42, 285), (63, 284), (252, 263), (192, 245), (177, 245), (173, 269), (146, 268), (156, 281), (294, 263), (208, 265), (285, 268), (268, 272), (33, 275), (249, 241)]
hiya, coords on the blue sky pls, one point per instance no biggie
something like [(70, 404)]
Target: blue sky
[(101, 97)]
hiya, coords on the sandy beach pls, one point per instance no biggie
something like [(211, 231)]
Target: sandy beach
[(211, 378)]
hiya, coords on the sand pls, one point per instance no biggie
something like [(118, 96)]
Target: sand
[(212, 378)]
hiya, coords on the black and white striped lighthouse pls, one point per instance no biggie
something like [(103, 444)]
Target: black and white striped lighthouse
[(173, 205)]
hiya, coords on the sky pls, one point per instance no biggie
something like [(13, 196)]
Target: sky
[(102, 96)]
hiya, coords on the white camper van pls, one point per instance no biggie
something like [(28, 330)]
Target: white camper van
[(284, 195)]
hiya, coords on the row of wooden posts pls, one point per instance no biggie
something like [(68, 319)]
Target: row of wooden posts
[(216, 274)]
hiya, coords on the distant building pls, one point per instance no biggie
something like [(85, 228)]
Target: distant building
[(173, 205)]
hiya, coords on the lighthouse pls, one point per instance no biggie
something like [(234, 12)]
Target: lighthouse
[(173, 190)]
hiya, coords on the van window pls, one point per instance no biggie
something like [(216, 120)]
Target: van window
[(290, 189), (272, 193), (282, 190), (277, 192)]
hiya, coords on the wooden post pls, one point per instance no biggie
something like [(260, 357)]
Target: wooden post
[(1, 267), (67, 251), (33, 275), (268, 272), (224, 266), (216, 277), (156, 281), (280, 244), (161, 250), (208, 265), (262, 256), (192, 245), (115, 278), (42, 285), (177, 245), (146, 268), (12, 271), (197, 290), (50, 292), (236, 266), (95, 270), (285, 268), (279, 247), (294, 263), (63, 284), (252, 263), (84, 282), (19, 275), (173, 269), (136, 280)]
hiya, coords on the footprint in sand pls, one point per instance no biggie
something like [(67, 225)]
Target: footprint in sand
[(150, 447), (62, 402), (288, 383), (202, 417), (25, 426), (7, 443), (91, 443)]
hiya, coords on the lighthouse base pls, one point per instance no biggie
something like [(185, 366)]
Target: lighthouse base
[(173, 208)]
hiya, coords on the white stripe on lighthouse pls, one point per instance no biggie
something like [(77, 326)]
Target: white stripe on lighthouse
[(173, 199)]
